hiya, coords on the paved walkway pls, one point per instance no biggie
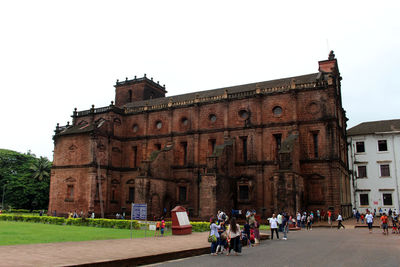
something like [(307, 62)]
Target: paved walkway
[(107, 252), (319, 247), (86, 252), (352, 223)]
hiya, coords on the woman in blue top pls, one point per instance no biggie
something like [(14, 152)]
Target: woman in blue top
[(214, 231)]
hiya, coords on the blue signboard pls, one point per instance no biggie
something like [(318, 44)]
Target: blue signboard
[(139, 211)]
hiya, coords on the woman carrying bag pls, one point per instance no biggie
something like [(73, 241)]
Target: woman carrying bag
[(235, 237), (214, 236)]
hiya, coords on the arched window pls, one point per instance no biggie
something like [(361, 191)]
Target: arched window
[(277, 110)]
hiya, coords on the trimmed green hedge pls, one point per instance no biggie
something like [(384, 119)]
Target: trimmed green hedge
[(107, 223), (200, 226)]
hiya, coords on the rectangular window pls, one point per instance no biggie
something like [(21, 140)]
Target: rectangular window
[(315, 142), (244, 148), (382, 145), (182, 194), (362, 172), (70, 192), (278, 141), (387, 199), (364, 200), (184, 150), (157, 146), (244, 192), (134, 156), (131, 194), (385, 170), (360, 148), (211, 146), (113, 195), (97, 195)]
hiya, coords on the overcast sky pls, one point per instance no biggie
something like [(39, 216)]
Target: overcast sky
[(58, 55)]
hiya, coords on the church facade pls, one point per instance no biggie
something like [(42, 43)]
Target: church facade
[(270, 146)]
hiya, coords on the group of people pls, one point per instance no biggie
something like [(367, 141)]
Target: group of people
[(384, 220), (160, 227), (120, 216), (280, 223), (226, 234), (306, 219), (75, 215), (374, 213), (283, 221)]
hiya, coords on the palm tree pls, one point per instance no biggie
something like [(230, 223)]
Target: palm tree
[(41, 169)]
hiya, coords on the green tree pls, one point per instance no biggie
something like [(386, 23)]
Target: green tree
[(23, 189), (41, 169)]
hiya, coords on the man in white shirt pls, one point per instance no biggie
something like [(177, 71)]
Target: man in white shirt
[(298, 219), (273, 223), (279, 217), (339, 220), (369, 219)]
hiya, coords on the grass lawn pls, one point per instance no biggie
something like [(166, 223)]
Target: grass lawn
[(16, 233)]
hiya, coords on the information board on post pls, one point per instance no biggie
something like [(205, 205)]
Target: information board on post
[(138, 212)]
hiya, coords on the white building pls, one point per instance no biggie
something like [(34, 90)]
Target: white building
[(374, 162)]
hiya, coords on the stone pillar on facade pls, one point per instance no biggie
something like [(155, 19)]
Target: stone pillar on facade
[(208, 196), (290, 193), (260, 194), (299, 183), (275, 180), (196, 173), (92, 188), (142, 187)]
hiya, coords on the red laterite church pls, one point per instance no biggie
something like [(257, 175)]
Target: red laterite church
[(272, 145)]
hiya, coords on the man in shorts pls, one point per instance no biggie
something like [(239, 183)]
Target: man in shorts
[(158, 227), (369, 219), (384, 220)]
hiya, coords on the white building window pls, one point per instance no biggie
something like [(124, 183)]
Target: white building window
[(385, 170), (364, 199), (382, 145), (360, 147), (387, 199), (362, 172)]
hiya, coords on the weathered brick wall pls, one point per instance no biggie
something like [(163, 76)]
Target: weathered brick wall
[(60, 201), (313, 110), (72, 150)]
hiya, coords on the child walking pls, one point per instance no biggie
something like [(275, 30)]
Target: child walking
[(162, 227)]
